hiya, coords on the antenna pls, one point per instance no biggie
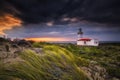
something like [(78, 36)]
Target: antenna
[(80, 33)]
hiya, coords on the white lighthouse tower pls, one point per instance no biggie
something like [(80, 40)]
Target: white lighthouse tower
[(82, 41), (80, 33)]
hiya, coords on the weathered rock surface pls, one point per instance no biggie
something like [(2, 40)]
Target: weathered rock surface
[(95, 72)]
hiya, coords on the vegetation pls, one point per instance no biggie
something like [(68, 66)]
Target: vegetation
[(40, 44), (55, 64), (107, 56), (61, 62)]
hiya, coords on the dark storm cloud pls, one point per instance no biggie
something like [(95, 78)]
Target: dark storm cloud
[(7, 8), (37, 11)]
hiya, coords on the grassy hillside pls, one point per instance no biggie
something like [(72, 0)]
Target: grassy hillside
[(55, 64), (107, 56), (63, 62)]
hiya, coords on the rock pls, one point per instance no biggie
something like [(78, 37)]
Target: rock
[(95, 72), (115, 78)]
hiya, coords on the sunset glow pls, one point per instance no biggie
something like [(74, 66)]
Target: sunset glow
[(49, 39)]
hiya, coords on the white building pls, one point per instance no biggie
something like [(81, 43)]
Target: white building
[(86, 41)]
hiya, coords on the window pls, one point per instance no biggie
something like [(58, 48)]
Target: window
[(96, 42), (84, 42)]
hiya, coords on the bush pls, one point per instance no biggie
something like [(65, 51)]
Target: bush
[(114, 71), (40, 44)]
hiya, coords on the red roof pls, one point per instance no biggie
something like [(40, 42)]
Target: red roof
[(84, 39)]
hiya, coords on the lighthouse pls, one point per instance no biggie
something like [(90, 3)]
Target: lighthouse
[(83, 41), (80, 33)]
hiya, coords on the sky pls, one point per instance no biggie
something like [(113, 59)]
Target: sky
[(59, 20)]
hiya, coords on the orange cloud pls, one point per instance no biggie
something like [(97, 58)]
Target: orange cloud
[(49, 39), (7, 22)]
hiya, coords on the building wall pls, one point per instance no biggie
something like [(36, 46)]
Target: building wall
[(88, 43)]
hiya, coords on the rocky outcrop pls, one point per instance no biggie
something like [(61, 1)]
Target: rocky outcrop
[(95, 72)]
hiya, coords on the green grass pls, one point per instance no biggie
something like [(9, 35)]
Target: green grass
[(61, 62), (107, 56), (55, 64)]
